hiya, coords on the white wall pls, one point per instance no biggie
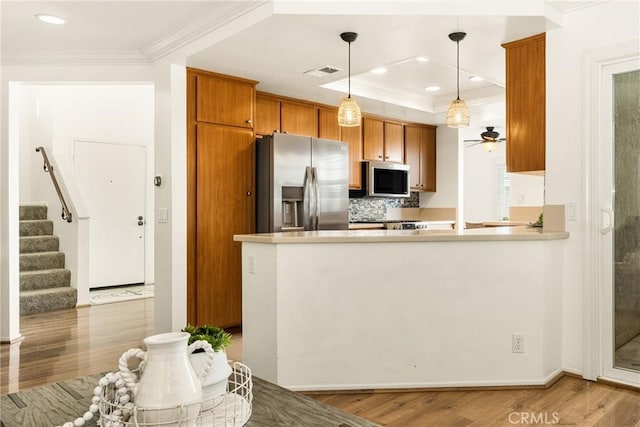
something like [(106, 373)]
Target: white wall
[(480, 182), (598, 28), (57, 115), (526, 190)]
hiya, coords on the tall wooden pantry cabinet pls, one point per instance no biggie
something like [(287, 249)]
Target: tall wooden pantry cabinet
[(220, 193)]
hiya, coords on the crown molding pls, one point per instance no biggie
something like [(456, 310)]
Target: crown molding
[(216, 17), (73, 58)]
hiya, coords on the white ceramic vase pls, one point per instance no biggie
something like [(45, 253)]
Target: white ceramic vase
[(214, 385), (169, 392)]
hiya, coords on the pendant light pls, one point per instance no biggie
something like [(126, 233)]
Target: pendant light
[(349, 114), (458, 113)]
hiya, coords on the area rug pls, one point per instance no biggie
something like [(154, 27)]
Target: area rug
[(120, 293)]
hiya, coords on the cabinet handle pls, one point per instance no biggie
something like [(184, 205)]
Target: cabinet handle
[(249, 121), (248, 193), (386, 157), (379, 157)]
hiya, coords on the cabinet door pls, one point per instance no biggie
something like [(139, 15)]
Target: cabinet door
[(428, 160), (267, 115), (373, 139), (353, 136), (525, 96), (299, 119), (224, 101), (413, 137), (328, 124), (393, 142), (225, 206)]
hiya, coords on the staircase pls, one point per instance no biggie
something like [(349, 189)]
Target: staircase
[(45, 285)]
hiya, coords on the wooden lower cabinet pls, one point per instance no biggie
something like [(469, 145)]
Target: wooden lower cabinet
[(420, 155), (225, 200)]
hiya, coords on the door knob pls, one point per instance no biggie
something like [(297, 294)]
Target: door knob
[(140, 222), (140, 218)]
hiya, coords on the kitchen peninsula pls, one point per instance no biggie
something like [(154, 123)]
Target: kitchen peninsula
[(402, 308)]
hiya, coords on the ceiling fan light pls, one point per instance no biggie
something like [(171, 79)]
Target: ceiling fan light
[(349, 114), (458, 114), (489, 146)]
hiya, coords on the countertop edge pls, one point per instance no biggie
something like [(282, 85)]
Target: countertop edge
[(399, 236)]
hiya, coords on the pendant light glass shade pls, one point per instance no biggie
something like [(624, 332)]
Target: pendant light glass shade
[(458, 113), (349, 114)]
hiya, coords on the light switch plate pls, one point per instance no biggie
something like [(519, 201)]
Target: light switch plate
[(162, 215)]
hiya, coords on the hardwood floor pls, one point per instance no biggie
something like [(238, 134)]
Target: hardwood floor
[(73, 343)]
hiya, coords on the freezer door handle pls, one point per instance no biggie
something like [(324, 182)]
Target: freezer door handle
[(306, 197), (316, 196)]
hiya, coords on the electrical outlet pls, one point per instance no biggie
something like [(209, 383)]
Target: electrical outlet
[(517, 343), (251, 261)]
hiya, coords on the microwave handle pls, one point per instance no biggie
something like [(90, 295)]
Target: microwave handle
[(306, 199), (316, 196)]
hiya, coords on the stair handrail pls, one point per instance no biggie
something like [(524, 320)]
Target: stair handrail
[(66, 213)]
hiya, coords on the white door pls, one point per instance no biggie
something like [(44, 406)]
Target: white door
[(619, 202), (111, 179)]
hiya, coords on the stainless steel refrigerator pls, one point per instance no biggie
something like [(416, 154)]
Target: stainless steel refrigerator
[(302, 184)]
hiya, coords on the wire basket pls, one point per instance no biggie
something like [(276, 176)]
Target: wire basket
[(232, 409)]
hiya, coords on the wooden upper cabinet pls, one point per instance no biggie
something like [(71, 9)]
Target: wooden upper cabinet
[(353, 135), (224, 100), (267, 115), (393, 142), (420, 155), (328, 124), (525, 95), (373, 139), (298, 119), (382, 140)]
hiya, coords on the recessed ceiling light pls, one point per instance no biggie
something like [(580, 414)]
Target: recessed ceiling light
[(422, 59), (50, 19), (379, 70), (476, 78), (432, 88)]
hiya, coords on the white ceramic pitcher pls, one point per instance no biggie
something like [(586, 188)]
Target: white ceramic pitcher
[(169, 392)]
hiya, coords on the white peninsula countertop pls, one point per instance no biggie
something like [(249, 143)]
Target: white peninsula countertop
[(377, 309), (384, 236)]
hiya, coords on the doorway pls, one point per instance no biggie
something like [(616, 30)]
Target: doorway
[(111, 179), (619, 202)]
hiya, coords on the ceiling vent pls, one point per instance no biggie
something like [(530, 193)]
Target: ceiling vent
[(322, 71)]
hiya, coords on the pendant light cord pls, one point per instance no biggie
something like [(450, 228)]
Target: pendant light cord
[(458, 67), (349, 94)]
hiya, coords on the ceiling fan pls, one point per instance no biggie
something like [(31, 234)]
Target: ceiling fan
[(489, 140)]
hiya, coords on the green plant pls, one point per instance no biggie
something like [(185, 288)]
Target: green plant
[(217, 337)]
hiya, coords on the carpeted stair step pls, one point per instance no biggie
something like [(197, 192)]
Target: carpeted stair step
[(36, 227), (52, 299), (44, 279), (31, 244), (41, 261), (28, 212)]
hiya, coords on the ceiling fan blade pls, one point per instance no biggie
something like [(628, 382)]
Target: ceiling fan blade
[(474, 144)]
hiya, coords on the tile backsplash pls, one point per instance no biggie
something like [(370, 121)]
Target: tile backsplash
[(375, 208)]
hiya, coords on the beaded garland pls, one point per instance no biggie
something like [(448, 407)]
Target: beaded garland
[(121, 396)]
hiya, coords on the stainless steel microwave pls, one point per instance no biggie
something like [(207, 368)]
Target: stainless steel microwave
[(385, 179)]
